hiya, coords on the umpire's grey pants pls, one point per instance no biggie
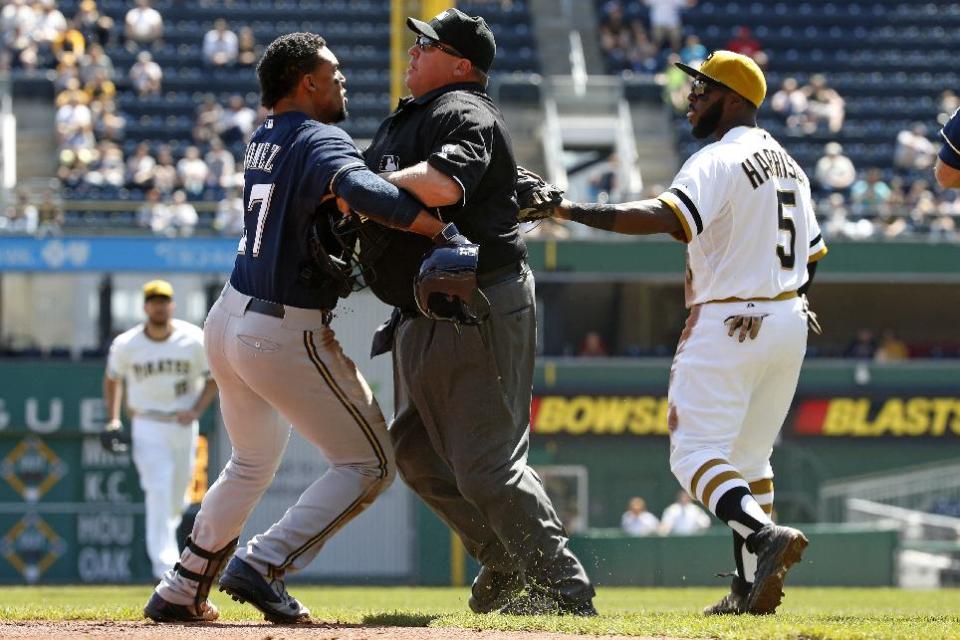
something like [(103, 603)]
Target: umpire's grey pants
[(461, 435)]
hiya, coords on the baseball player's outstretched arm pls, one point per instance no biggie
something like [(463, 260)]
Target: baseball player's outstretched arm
[(431, 186), (641, 217), (947, 176)]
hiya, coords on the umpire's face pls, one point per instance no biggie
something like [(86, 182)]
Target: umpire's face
[(433, 66), (159, 309), (327, 87)]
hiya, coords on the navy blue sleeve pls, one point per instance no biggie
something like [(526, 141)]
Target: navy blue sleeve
[(950, 152), (463, 144), (376, 198), (330, 154)]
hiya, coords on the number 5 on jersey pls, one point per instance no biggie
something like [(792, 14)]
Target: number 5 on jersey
[(786, 203), (259, 193)]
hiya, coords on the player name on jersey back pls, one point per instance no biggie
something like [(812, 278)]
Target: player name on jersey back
[(260, 156), (771, 162)]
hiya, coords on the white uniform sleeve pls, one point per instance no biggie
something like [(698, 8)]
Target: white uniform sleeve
[(818, 248), (117, 365), (698, 192)]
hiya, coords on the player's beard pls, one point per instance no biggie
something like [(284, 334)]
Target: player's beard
[(341, 115), (708, 122)]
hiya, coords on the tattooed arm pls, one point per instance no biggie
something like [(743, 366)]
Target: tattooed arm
[(641, 217)]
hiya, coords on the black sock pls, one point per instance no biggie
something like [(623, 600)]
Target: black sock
[(730, 509)]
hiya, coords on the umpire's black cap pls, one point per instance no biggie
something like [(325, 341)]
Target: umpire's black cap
[(468, 35)]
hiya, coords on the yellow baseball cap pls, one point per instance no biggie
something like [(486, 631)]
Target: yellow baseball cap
[(734, 71), (156, 288)]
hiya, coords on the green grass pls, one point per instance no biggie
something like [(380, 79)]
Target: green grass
[(807, 614)]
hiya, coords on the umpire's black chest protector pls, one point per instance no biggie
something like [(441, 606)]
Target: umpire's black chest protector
[(459, 131)]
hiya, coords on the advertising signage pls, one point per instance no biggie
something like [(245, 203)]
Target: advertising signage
[(645, 415)]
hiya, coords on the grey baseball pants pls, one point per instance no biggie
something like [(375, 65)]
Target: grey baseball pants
[(461, 434), (274, 372)]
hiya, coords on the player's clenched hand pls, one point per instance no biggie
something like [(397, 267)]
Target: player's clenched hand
[(748, 326), (187, 417)]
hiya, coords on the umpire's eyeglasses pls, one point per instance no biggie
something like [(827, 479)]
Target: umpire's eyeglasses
[(701, 87), (424, 43)]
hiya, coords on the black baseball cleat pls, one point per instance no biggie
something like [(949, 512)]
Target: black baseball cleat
[(245, 584), (159, 610), (533, 603), (777, 548), (493, 590), (733, 602)]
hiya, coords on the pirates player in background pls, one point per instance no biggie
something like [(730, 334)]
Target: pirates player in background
[(273, 353), (947, 169), (743, 207), (163, 367)]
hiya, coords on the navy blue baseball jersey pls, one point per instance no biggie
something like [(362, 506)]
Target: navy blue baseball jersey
[(950, 152), (291, 163)]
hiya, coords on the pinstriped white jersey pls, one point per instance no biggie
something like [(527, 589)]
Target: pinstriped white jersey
[(161, 376), (746, 210)]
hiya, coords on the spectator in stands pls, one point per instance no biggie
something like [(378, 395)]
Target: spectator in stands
[(229, 219), (67, 70), (183, 215), (834, 171), (636, 520), (21, 217), (891, 348), (17, 15), (221, 164), (913, 149), (790, 103), (209, 114), (95, 27), (109, 124), (50, 23), (49, 215), (665, 21), (676, 84), (220, 45), (146, 75), (73, 166), (74, 123), (248, 52), (192, 171), (143, 25), (683, 517), (593, 346), (693, 51), (165, 178), (837, 223), (69, 41), (641, 52), (237, 122), (824, 105), (154, 213), (744, 43), (949, 103), (863, 346), (100, 89), (871, 195), (944, 226), (615, 36), (95, 61), (72, 91), (20, 51), (140, 167), (108, 169)]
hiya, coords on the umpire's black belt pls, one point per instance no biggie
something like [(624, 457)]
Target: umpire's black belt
[(495, 276)]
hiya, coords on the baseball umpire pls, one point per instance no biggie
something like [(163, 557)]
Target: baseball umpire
[(743, 207), (273, 354), (461, 429)]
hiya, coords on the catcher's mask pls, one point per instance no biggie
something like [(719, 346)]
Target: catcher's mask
[(446, 287)]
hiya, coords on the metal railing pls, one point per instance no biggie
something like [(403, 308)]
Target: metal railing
[(914, 489)]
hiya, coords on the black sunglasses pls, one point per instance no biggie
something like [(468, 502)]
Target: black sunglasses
[(425, 43), (701, 87)]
